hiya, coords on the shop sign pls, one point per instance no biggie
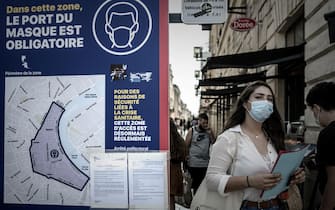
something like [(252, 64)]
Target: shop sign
[(243, 24), (204, 11)]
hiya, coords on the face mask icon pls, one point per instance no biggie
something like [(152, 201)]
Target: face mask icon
[(121, 24), (122, 27)]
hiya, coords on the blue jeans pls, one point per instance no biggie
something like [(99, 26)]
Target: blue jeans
[(277, 206)]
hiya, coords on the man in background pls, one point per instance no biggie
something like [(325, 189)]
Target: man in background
[(198, 141), (321, 101)]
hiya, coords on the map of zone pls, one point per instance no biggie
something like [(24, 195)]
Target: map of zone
[(47, 154), (52, 125)]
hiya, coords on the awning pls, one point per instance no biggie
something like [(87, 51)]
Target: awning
[(222, 92), (255, 59), (233, 80)]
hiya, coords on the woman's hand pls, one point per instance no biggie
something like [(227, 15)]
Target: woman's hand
[(298, 176), (264, 181)]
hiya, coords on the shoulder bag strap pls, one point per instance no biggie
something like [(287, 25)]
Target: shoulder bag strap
[(232, 170)]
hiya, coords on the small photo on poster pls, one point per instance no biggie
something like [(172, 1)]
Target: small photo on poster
[(118, 71)]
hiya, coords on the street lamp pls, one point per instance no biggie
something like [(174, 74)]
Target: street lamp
[(197, 53), (197, 74), (196, 88)]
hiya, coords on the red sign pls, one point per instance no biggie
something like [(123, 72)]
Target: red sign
[(243, 24)]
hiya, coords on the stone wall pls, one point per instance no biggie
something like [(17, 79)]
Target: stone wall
[(319, 55)]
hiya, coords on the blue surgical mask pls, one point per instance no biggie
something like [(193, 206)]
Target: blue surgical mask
[(260, 110)]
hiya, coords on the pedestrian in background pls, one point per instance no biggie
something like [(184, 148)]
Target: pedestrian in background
[(177, 156), (252, 139), (198, 141), (321, 101)]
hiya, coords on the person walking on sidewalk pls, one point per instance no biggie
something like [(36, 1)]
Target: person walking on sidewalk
[(198, 141), (321, 101), (252, 139)]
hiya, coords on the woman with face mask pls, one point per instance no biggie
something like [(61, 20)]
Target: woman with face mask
[(322, 103), (251, 141)]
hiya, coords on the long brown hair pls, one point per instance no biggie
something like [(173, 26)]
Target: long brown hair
[(273, 126)]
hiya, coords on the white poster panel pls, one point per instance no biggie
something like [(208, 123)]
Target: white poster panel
[(148, 186), (109, 183)]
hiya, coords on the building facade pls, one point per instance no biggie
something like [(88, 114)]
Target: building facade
[(289, 47), (177, 108)]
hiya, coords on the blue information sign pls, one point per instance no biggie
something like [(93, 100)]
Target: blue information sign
[(77, 77)]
